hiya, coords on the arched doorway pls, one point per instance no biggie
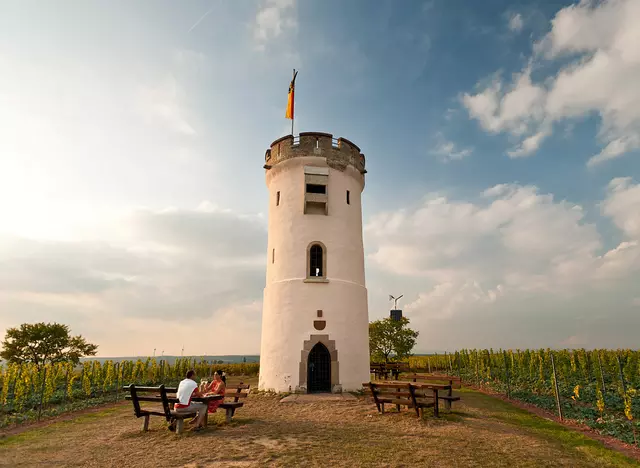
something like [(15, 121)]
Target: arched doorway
[(319, 369)]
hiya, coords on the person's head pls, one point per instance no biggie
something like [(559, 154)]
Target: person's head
[(219, 375), (191, 374)]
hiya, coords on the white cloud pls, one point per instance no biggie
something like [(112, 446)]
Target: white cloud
[(598, 41), (623, 206), (514, 242), (274, 18), (448, 151), (173, 268), (164, 102), (518, 109), (515, 22), (529, 145)]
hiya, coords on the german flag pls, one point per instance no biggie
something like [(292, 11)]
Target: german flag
[(290, 97)]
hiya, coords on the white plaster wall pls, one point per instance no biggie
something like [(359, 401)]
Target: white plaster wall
[(290, 305)]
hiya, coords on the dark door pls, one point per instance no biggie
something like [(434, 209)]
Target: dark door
[(319, 369)]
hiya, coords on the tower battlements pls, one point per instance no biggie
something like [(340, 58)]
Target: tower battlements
[(339, 152)]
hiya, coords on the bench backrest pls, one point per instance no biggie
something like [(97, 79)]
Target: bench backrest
[(151, 394), (455, 382), (394, 393), (397, 365), (237, 391)]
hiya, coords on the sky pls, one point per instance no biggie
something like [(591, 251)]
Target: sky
[(502, 141)]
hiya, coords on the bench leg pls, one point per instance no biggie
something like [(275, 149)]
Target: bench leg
[(382, 408), (145, 423), (229, 414), (179, 426), (206, 418)]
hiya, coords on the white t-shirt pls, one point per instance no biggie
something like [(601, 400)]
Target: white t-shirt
[(185, 389)]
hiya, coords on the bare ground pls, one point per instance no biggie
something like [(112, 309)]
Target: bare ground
[(481, 431)]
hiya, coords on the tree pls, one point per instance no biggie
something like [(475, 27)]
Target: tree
[(43, 343), (388, 337)]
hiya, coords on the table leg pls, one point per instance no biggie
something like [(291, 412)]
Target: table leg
[(436, 411)]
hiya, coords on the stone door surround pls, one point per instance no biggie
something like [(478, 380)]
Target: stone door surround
[(304, 358)]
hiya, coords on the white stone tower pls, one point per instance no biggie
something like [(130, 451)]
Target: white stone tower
[(315, 333)]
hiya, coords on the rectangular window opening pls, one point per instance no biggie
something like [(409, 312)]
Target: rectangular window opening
[(273, 255), (348, 198), (315, 188), (278, 198)]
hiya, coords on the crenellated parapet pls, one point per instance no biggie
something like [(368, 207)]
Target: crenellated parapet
[(339, 152)]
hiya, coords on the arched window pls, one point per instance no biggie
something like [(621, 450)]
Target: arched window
[(316, 261)]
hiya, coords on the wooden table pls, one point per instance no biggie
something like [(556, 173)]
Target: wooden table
[(206, 399)]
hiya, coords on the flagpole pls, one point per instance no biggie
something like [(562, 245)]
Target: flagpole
[(294, 102)]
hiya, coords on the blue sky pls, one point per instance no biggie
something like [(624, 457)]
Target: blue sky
[(502, 142)]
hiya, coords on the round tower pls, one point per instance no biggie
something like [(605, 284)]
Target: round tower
[(315, 332)]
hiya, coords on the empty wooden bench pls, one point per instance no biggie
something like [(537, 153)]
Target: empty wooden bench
[(378, 370), (406, 394), (156, 395), (454, 382), (395, 368)]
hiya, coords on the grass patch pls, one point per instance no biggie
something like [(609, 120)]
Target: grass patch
[(32, 434)]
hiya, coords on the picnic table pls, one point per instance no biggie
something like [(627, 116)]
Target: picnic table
[(236, 393), (394, 369), (161, 395), (454, 382)]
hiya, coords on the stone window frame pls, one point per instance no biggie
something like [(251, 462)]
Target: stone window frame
[(316, 279)]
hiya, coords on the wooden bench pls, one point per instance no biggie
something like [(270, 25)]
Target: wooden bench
[(384, 369), (403, 394), (231, 406), (395, 368), (455, 382), (156, 395), (378, 370)]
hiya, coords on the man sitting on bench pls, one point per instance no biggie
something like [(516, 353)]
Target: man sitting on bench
[(187, 389)]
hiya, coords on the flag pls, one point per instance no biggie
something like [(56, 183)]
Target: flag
[(290, 97)]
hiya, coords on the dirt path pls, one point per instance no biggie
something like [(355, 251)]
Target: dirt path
[(482, 431)]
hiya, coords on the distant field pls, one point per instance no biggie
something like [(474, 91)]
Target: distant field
[(481, 431), (227, 359)]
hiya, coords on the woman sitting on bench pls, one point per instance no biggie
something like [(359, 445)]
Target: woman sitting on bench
[(216, 387)]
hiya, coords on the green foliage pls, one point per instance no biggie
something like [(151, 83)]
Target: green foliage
[(598, 388), (43, 343), (26, 391), (390, 338)]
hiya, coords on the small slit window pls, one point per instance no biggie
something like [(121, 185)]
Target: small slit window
[(278, 198), (316, 264), (273, 255), (348, 198), (316, 188)]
